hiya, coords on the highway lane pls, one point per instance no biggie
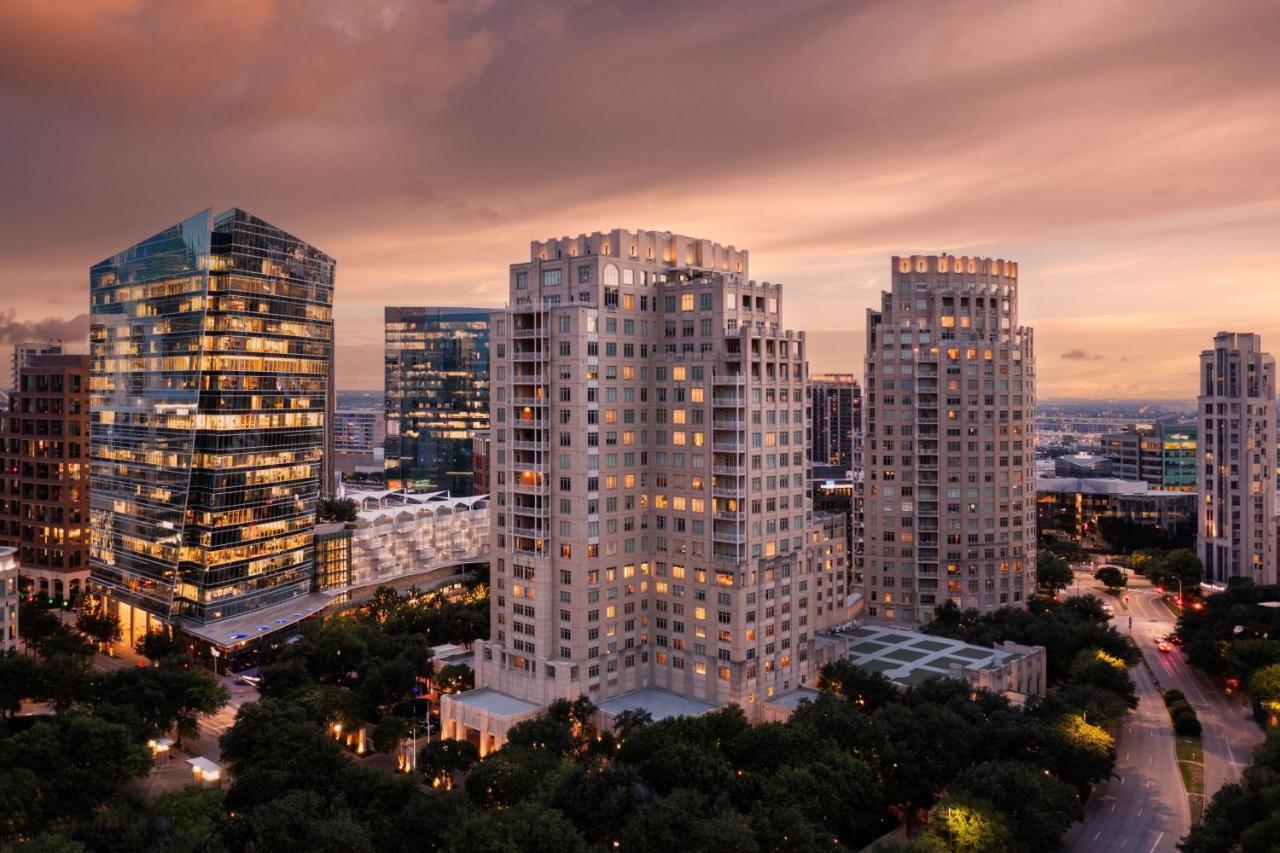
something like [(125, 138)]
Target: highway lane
[(1144, 807)]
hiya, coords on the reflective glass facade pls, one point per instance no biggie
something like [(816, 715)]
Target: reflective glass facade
[(437, 387), (210, 354)]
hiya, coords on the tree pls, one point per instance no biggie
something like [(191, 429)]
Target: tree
[(1097, 668), (389, 733), (1053, 574), (193, 693), (455, 678), (304, 820), (37, 625), (158, 644), (336, 509), (1079, 752), (441, 759), (1181, 565), (692, 821), (969, 824), (101, 627), (1265, 683), (1187, 723), (78, 760), (19, 679), (630, 720), (1112, 578), (1040, 806), (1067, 549), (868, 690)]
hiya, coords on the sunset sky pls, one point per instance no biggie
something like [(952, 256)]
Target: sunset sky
[(1127, 154)]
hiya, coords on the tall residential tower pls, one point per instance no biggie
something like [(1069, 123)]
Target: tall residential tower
[(1236, 535), (652, 532), (210, 347), (949, 415)]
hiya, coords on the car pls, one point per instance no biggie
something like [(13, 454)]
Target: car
[(1174, 639), (1164, 645)]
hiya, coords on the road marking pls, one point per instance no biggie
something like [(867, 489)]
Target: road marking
[(1124, 841), (1113, 806), (1140, 812), (1157, 841), (1097, 835)]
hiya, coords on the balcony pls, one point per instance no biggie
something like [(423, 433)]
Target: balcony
[(728, 399), (728, 423), (728, 470), (729, 538), (729, 446), (528, 445), (722, 491), (530, 355)]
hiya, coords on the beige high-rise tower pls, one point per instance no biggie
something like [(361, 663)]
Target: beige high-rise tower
[(949, 415), (652, 529), (1236, 535)]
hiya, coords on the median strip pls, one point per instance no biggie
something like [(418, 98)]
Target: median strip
[(1190, 752)]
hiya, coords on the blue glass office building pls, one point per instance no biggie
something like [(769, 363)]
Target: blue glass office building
[(437, 390), (210, 354)]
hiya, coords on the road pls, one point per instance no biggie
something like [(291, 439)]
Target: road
[(1144, 808), (214, 726), (1230, 734)]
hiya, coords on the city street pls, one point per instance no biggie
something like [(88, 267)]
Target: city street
[(1144, 808), (1230, 734)]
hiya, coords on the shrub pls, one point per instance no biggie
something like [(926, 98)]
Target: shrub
[(1174, 695), (1181, 706), (1187, 724)]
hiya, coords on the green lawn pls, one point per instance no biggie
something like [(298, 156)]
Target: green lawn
[(1189, 750), (1191, 768)]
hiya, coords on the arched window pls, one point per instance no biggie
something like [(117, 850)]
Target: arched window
[(611, 275)]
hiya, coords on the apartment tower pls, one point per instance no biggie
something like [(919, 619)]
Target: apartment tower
[(652, 529), (1236, 534), (44, 475), (949, 415), (210, 347)]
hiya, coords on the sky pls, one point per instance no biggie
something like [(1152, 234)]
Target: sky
[(1126, 154)]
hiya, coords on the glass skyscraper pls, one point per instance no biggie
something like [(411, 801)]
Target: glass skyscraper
[(210, 355), (437, 389)]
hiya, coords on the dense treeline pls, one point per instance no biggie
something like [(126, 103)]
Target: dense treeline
[(61, 769), (963, 768)]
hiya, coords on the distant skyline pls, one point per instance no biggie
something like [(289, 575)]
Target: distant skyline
[(1124, 153)]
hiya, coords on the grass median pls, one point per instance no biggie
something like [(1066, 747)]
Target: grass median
[(1190, 752)]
